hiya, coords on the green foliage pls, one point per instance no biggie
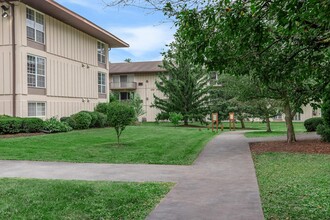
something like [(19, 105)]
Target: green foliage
[(94, 117), (65, 119), (102, 107), (4, 116), (119, 116), (185, 87), (80, 120), (283, 45), (32, 125), (175, 118), (10, 126), (101, 121), (312, 123), (162, 116), (52, 125), (137, 104), (324, 130)]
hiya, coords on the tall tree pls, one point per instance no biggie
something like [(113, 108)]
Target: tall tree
[(185, 87), (282, 44)]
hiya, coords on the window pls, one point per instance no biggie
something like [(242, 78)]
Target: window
[(101, 52), (101, 83), (36, 109), (140, 83), (36, 71), (124, 96), (35, 27)]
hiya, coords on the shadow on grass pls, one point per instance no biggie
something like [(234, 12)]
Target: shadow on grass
[(253, 134)]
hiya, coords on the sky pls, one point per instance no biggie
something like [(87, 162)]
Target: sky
[(147, 32)]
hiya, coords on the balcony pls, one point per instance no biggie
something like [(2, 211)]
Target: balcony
[(123, 86)]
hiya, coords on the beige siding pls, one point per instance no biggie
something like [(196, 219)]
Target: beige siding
[(5, 31), (5, 70), (146, 93)]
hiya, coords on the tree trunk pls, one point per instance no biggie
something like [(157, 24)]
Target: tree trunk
[(185, 120), (242, 123), (268, 125), (291, 137)]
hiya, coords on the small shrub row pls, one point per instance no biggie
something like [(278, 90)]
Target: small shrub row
[(85, 120), (52, 125), (312, 123), (11, 125)]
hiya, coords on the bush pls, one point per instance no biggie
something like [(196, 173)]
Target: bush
[(81, 120), (119, 116), (312, 123), (52, 125), (102, 108), (32, 125), (175, 118), (94, 116), (5, 116), (101, 121), (10, 125), (162, 116), (65, 119), (324, 131)]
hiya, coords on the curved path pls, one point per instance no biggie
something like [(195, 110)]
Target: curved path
[(221, 184)]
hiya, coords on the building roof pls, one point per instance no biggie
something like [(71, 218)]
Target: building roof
[(136, 67), (71, 18)]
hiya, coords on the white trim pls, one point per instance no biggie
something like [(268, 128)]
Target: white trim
[(45, 73), (35, 29)]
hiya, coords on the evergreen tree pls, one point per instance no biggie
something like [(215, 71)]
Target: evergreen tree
[(186, 89)]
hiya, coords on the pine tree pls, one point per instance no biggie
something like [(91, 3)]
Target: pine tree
[(186, 89)]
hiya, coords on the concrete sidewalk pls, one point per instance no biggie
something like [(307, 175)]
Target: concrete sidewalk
[(221, 184)]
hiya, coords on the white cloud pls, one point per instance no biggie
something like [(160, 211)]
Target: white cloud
[(145, 39)]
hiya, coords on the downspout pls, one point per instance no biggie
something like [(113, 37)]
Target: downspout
[(14, 56)]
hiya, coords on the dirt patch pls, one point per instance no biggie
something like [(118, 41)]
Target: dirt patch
[(303, 146), (20, 135)]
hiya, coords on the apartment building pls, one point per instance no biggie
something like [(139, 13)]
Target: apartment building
[(137, 78), (53, 62)]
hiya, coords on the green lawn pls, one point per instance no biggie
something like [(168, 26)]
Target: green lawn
[(140, 144), (294, 186), (278, 129), (57, 199)]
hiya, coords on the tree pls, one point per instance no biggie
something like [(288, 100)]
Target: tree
[(119, 116), (282, 44), (137, 104), (185, 87), (175, 118), (324, 130)]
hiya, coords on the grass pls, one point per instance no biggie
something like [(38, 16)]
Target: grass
[(57, 199), (294, 186), (278, 129), (140, 144)]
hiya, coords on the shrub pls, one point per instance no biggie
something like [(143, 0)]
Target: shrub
[(102, 107), (101, 121), (175, 118), (162, 116), (5, 116), (32, 125), (324, 131), (81, 120), (52, 125), (312, 123), (65, 119), (10, 125), (94, 117), (119, 116)]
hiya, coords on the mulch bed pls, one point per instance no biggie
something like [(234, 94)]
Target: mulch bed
[(303, 146), (20, 135)]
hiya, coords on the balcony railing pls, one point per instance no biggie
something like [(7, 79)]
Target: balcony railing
[(123, 85)]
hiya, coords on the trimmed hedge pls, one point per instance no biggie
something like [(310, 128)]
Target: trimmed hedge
[(20, 125), (52, 125), (312, 123), (80, 120)]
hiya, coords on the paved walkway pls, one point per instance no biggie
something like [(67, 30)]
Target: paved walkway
[(221, 184)]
